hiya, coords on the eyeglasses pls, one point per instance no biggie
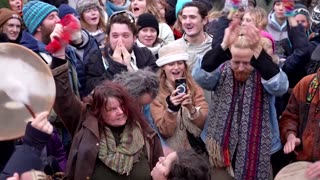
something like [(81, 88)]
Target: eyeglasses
[(125, 13)]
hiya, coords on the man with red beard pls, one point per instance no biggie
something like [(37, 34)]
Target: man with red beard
[(242, 127)]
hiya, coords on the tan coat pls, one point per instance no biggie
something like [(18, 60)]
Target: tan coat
[(170, 123)]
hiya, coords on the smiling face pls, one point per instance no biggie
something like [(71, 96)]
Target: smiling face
[(113, 113), (16, 6), (174, 70), (12, 28), (121, 33), (192, 22), (91, 16), (138, 7), (148, 36)]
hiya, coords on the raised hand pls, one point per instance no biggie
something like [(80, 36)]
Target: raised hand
[(116, 56), (175, 98), (292, 142), (313, 170), (231, 34), (41, 123)]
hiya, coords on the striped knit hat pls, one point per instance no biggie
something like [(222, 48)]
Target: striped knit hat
[(34, 12)]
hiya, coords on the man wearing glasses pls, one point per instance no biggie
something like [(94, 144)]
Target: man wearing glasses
[(120, 53)]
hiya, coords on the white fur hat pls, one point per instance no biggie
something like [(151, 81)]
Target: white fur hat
[(171, 53)]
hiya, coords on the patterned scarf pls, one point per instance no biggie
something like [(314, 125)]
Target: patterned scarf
[(122, 157), (239, 126)]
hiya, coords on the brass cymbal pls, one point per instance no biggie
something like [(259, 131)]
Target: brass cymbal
[(25, 79)]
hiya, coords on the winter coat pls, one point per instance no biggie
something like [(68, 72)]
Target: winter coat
[(83, 126), (169, 123), (293, 117), (98, 71), (27, 157)]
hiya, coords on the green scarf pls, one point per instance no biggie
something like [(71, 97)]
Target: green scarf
[(122, 157)]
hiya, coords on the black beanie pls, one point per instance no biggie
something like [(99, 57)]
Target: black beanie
[(148, 20)]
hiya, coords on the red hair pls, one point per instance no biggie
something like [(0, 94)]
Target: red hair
[(99, 100)]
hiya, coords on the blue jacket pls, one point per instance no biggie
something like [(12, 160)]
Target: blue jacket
[(87, 51)]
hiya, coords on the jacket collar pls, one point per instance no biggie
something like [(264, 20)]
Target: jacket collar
[(91, 122)]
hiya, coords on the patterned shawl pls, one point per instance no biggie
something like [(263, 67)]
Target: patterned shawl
[(239, 126)]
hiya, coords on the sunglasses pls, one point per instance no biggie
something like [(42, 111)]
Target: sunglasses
[(124, 13)]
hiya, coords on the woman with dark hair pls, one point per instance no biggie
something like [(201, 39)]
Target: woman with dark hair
[(182, 165), (111, 139)]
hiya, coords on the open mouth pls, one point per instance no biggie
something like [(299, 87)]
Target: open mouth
[(93, 19), (135, 9)]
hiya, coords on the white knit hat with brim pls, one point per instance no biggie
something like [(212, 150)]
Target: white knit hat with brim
[(171, 53)]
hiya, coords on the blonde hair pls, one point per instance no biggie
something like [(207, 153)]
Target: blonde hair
[(151, 7), (214, 15), (167, 87), (259, 16)]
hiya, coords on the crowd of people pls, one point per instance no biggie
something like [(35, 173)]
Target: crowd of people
[(168, 89)]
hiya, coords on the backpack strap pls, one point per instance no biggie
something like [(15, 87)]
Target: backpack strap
[(312, 89)]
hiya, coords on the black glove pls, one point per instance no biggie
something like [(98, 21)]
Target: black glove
[(265, 66), (171, 106)]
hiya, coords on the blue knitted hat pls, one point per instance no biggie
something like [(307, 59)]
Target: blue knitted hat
[(34, 12), (179, 5)]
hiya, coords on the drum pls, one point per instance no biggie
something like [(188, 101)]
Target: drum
[(26, 87), (294, 171)]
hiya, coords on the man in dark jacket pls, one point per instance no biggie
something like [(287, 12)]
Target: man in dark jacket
[(121, 53)]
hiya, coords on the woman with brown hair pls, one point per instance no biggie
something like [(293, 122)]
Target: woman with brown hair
[(92, 18), (111, 139), (179, 116)]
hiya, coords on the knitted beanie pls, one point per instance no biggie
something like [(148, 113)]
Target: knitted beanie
[(171, 53), (315, 15), (65, 9), (179, 5), (265, 34), (6, 14), (302, 9), (34, 12), (148, 20), (83, 5)]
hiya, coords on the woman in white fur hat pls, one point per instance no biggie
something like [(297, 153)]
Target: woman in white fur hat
[(178, 114)]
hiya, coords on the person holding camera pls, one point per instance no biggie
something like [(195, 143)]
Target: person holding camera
[(180, 109)]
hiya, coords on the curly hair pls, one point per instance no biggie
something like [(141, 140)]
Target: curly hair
[(100, 97), (259, 17), (140, 82)]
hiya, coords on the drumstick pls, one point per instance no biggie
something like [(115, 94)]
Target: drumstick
[(19, 93)]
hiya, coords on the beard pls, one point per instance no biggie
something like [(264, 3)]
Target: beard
[(241, 76), (45, 34)]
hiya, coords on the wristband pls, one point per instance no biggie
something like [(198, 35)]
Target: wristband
[(171, 106)]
